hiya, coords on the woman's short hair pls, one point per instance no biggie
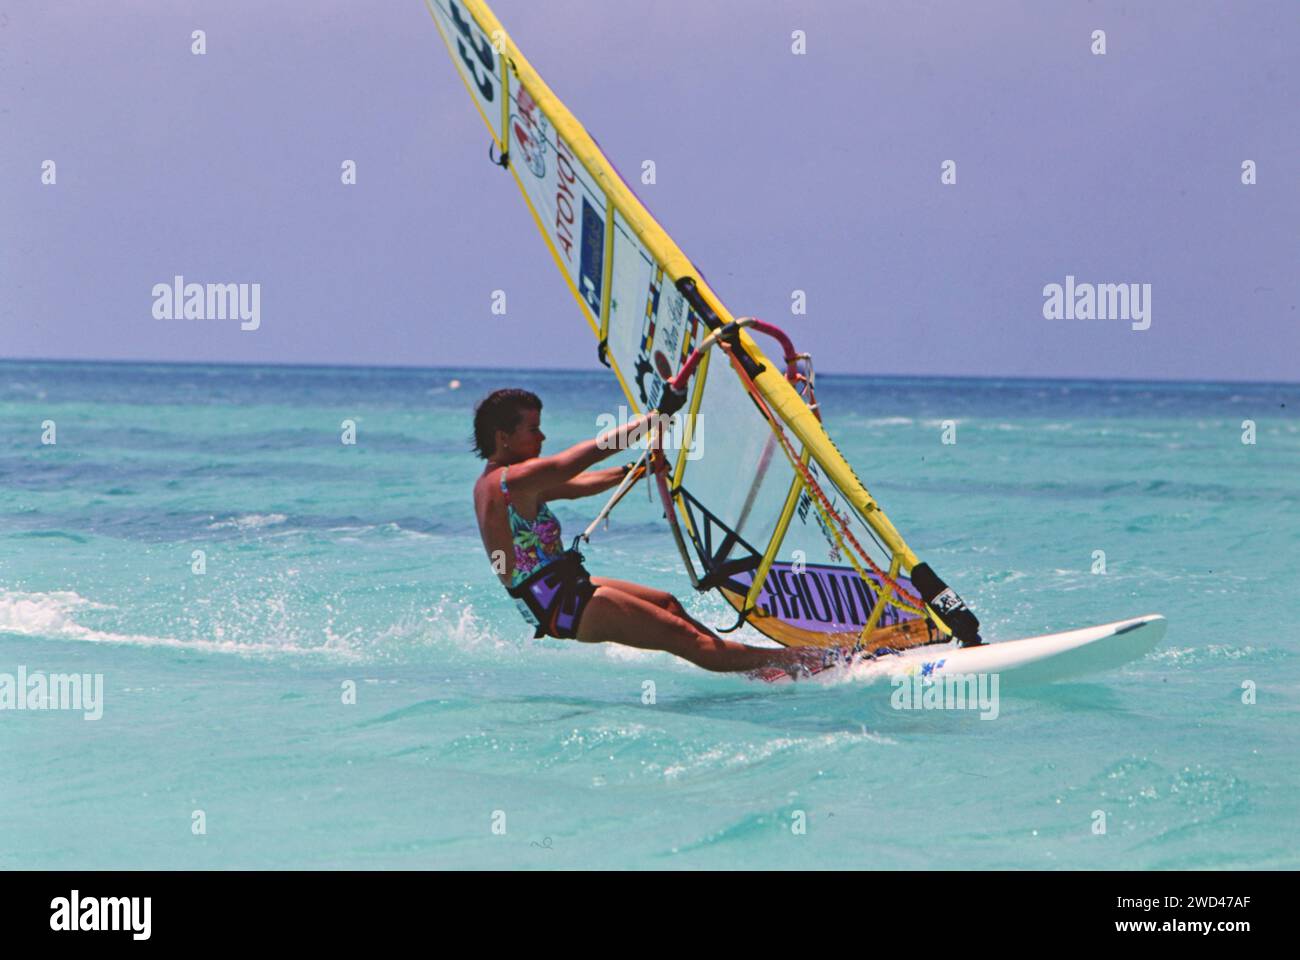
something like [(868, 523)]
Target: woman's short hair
[(500, 410)]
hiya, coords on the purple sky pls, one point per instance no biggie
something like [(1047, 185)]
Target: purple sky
[(775, 172)]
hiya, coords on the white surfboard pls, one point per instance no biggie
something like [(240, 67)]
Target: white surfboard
[(1045, 659)]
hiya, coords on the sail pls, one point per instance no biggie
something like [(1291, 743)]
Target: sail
[(764, 507)]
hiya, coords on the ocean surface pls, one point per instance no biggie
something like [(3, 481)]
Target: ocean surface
[(227, 735)]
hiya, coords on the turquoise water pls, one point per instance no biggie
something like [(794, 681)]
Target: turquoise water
[(329, 564)]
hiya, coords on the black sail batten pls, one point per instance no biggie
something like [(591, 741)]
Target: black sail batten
[(719, 571)]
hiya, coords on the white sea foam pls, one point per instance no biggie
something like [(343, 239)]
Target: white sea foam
[(41, 614), (251, 521), (53, 615)]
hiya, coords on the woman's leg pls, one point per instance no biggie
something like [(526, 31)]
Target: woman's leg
[(660, 598), (617, 616)]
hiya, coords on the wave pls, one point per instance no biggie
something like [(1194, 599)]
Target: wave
[(251, 521), (53, 615)]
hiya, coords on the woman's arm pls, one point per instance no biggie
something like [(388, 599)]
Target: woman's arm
[(550, 473), (585, 484)]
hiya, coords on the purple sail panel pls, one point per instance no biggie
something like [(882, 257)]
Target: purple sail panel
[(824, 599)]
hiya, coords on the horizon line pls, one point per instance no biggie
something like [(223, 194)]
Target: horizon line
[(595, 371)]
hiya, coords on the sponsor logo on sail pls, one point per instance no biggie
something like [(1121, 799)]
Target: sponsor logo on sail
[(529, 126)]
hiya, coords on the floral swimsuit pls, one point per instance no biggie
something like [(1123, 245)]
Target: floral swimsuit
[(536, 543), (550, 585)]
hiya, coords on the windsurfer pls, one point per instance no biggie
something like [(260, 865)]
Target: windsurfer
[(555, 593)]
